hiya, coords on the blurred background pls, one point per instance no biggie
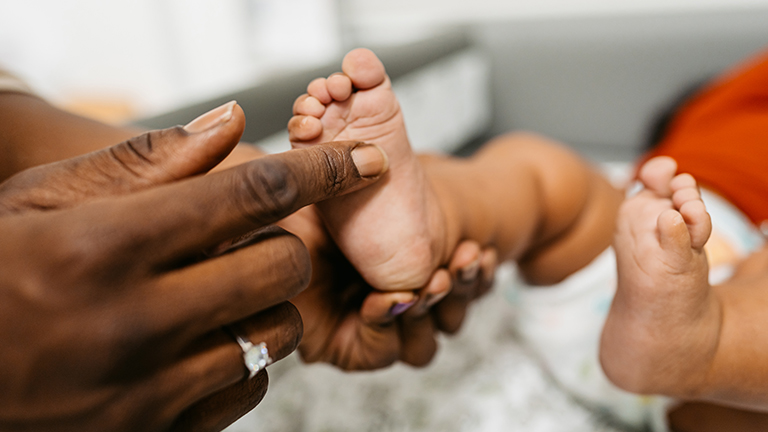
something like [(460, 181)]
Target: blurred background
[(124, 60)]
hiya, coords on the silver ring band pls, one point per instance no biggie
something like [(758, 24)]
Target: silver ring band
[(255, 357)]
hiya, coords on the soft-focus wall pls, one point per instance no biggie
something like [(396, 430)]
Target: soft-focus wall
[(153, 55), (391, 20), (149, 56)]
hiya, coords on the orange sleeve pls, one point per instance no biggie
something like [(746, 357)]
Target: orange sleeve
[(721, 137)]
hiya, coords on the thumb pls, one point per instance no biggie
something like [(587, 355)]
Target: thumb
[(147, 160)]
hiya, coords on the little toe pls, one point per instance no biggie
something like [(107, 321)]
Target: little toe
[(318, 88), (304, 128), (308, 106), (657, 175), (673, 232), (363, 68), (698, 222), (339, 87)]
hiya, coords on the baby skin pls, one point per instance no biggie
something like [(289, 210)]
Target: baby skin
[(359, 105), (521, 194), (663, 328)]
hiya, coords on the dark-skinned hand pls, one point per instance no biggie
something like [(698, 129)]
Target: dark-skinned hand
[(115, 286)]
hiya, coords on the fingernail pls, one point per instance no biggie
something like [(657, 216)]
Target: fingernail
[(489, 272), (370, 160), (469, 272), (399, 308), (212, 118), (433, 299)]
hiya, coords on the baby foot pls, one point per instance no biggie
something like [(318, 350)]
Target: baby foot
[(663, 326), (393, 231)]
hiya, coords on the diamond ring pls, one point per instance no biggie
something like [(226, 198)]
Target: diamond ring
[(255, 357)]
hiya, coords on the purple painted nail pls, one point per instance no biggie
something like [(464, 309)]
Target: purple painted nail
[(399, 308)]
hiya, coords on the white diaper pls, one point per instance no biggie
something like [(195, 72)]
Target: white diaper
[(562, 323)]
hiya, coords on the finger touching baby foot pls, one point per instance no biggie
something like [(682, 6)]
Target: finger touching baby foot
[(438, 288), (382, 308)]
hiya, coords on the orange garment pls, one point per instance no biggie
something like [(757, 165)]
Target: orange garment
[(721, 138)]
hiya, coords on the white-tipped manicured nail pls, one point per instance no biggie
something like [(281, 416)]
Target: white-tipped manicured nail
[(211, 119)]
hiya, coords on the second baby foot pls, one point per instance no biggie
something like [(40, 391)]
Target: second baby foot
[(662, 328)]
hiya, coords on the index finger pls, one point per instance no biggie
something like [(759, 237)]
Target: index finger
[(181, 219)]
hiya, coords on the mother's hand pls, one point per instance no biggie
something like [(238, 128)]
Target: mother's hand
[(350, 325), (110, 312)]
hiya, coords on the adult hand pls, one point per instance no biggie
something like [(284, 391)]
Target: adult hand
[(472, 269), (111, 315), (350, 325)]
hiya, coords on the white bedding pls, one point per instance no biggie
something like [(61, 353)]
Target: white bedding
[(483, 379)]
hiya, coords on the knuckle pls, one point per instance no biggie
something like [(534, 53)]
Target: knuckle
[(332, 164), (119, 337), (268, 191), (298, 264), (134, 153), (139, 155)]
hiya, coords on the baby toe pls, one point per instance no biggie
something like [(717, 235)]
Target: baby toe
[(304, 128), (363, 68), (657, 175), (308, 106), (339, 87), (318, 89)]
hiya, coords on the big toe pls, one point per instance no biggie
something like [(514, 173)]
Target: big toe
[(657, 174), (363, 68)]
